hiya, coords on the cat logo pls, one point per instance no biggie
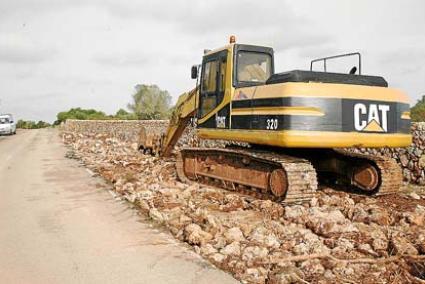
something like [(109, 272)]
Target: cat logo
[(371, 119)]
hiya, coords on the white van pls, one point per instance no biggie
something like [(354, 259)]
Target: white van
[(7, 124)]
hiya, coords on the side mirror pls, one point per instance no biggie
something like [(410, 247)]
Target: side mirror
[(11, 121), (194, 72)]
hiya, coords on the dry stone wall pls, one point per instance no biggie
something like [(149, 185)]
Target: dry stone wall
[(411, 159), (126, 130)]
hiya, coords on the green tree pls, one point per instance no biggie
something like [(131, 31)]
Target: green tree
[(20, 124), (122, 114), (82, 114), (150, 102), (42, 124), (28, 124), (417, 112)]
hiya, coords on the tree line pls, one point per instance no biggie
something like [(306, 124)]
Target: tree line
[(29, 124), (148, 102)]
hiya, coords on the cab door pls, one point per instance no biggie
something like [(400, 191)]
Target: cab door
[(213, 87)]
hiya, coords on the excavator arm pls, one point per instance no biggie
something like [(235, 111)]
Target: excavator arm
[(184, 110)]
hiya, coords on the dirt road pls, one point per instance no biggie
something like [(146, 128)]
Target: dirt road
[(59, 225)]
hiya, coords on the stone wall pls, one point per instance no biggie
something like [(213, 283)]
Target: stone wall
[(411, 159), (126, 130)]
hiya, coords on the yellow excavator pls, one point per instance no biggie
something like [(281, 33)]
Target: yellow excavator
[(297, 125)]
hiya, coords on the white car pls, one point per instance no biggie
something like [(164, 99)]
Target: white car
[(7, 124)]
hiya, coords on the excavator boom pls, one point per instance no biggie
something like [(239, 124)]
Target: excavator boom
[(184, 110)]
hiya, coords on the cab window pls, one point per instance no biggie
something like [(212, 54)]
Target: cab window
[(213, 83), (253, 67), (209, 80)]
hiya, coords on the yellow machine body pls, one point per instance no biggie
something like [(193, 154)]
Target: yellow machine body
[(303, 114)]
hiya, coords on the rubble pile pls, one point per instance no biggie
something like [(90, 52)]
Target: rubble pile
[(337, 238)]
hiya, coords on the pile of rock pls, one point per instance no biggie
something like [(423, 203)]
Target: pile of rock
[(337, 237)]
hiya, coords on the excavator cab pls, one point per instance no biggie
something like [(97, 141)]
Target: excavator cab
[(224, 70)]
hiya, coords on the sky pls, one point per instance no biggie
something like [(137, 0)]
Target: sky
[(58, 54)]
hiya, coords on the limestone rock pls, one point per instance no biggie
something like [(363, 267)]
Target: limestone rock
[(312, 267), (208, 249), (195, 235), (287, 275), (234, 235), (414, 195), (156, 215), (295, 213), (255, 275), (380, 216), (262, 236), (233, 249), (400, 245), (218, 257), (233, 202), (252, 253), (367, 249), (270, 209), (327, 223)]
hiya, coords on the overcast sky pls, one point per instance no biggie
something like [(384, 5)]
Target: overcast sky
[(58, 54)]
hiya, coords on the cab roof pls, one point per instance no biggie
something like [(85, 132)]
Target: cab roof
[(239, 46)]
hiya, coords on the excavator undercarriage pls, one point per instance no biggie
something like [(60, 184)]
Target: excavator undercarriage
[(288, 179)]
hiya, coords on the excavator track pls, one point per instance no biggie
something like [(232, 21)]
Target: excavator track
[(390, 173), (361, 173), (262, 174)]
